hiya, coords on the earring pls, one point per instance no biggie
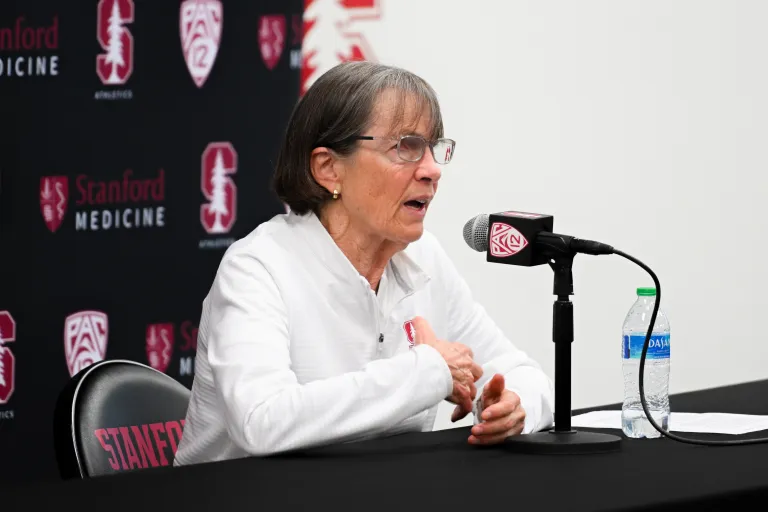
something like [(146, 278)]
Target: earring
[(335, 194)]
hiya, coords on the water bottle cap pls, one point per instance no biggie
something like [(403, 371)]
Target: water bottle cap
[(646, 292)]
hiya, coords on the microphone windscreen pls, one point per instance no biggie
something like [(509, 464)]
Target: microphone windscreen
[(476, 232)]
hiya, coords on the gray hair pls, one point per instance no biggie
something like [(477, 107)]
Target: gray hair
[(337, 107)]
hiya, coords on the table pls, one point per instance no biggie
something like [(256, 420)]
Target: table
[(440, 471)]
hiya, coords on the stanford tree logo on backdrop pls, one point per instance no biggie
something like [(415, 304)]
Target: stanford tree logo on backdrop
[(35, 42), (333, 33), (159, 345), (54, 191), (85, 339), (219, 213), (114, 64), (272, 32), (100, 205), (200, 24), (7, 361)]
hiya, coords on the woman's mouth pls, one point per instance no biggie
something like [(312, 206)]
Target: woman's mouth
[(418, 205)]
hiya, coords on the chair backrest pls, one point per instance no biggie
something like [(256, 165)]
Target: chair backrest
[(116, 416)]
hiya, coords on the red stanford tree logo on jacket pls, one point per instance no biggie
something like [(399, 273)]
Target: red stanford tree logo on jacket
[(410, 333), (219, 161), (115, 65), (85, 339), (7, 361)]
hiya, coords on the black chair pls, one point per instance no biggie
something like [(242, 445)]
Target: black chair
[(116, 416)]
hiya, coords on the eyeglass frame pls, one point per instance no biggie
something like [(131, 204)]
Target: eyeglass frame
[(427, 143)]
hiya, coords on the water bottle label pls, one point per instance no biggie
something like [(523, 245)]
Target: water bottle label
[(658, 346)]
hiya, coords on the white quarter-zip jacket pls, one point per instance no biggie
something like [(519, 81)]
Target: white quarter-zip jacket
[(295, 350)]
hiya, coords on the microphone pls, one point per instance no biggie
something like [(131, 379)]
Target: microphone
[(524, 239)]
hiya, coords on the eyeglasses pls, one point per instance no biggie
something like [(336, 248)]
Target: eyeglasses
[(411, 147)]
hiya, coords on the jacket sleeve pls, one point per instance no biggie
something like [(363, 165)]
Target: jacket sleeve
[(267, 409), (471, 325)]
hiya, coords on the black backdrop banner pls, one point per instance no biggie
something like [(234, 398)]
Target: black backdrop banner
[(138, 143)]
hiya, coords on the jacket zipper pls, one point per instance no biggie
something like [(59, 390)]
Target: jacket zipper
[(377, 314)]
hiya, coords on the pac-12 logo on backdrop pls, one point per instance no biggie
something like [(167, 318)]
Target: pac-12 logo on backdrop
[(159, 345), (219, 162), (272, 33), (200, 24), (115, 64), (54, 192), (7, 361), (334, 32), (506, 240), (85, 339)]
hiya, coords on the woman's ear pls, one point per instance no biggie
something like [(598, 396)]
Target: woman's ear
[(326, 169)]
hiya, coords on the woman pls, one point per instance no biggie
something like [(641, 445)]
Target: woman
[(344, 320)]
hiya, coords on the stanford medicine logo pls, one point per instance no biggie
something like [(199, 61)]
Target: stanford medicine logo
[(7, 361), (506, 240), (161, 342), (272, 33), (200, 29), (159, 345), (219, 162), (27, 48), (103, 204), (334, 32), (410, 332), (54, 192), (85, 339)]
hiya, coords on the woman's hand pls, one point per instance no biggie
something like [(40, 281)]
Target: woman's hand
[(502, 415), (458, 357)]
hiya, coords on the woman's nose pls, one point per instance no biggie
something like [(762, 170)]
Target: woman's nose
[(428, 169)]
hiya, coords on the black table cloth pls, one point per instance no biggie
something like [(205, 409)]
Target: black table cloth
[(440, 471)]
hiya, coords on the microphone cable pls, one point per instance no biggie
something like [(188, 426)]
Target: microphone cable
[(675, 437)]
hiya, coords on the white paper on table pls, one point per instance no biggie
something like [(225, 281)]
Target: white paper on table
[(705, 423)]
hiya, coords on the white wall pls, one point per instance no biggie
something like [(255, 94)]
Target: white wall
[(639, 124)]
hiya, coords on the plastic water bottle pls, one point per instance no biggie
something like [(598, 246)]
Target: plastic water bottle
[(656, 378)]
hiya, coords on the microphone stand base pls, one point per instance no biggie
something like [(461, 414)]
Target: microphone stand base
[(563, 443)]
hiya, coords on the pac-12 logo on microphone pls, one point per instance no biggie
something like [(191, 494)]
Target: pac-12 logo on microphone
[(159, 345), (85, 339), (54, 192), (200, 27), (506, 240), (218, 215)]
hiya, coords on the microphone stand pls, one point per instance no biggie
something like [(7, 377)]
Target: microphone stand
[(562, 439)]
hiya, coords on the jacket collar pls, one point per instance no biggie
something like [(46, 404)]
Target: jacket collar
[(408, 275)]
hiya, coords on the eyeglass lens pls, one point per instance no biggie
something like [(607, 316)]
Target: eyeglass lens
[(412, 148)]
